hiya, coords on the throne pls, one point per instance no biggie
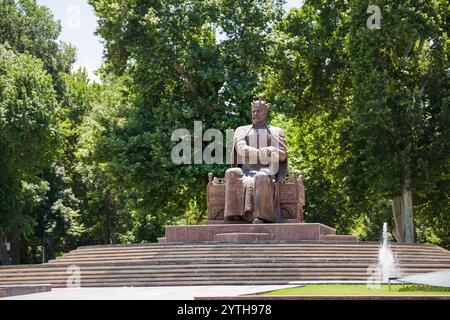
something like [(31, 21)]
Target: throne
[(292, 199)]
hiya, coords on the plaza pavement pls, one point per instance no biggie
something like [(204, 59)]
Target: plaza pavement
[(147, 293)]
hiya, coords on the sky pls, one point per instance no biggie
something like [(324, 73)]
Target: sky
[(78, 24)]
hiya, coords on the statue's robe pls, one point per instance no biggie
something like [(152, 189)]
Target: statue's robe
[(252, 185)]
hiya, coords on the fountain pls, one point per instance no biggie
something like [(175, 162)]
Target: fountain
[(387, 264)]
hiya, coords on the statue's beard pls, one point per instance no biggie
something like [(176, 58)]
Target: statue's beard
[(259, 121)]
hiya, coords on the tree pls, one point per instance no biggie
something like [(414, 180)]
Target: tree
[(27, 130), (30, 28), (395, 128), (108, 207), (54, 217), (27, 28), (382, 94), (309, 81), (180, 71)]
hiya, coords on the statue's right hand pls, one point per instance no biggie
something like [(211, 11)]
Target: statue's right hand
[(265, 151), (264, 155)]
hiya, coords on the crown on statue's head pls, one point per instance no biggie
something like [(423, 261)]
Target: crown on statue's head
[(261, 102)]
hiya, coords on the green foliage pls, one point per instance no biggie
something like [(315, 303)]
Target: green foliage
[(180, 72), (55, 218), (371, 108), (33, 71), (398, 125), (108, 208), (391, 92), (28, 128), (28, 27)]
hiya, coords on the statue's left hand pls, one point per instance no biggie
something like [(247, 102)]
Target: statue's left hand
[(273, 149)]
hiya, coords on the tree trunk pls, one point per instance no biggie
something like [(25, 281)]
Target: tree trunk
[(403, 215), (398, 218), (4, 256), (408, 219), (108, 229), (43, 248), (110, 209), (15, 244)]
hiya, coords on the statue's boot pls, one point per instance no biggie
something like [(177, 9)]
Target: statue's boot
[(257, 221)]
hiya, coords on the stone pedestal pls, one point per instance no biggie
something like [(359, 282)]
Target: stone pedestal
[(273, 232)]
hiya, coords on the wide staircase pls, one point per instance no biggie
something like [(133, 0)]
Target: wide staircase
[(221, 264)]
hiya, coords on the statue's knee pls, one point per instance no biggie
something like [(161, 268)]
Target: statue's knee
[(262, 177), (233, 173)]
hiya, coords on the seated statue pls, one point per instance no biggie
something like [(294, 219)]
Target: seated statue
[(259, 165)]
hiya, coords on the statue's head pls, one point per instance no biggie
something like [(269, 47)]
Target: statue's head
[(259, 111)]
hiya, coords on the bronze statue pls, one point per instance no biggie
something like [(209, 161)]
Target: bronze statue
[(259, 161)]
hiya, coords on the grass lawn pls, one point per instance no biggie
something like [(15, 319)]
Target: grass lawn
[(359, 290)]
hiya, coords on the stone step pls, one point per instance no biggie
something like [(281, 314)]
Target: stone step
[(203, 274), (170, 278), (249, 252), (245, 254), (338, 237), (218, 245), (221, 268), (163, 268), (290, 277), (227, 256), (303, 244), (305, 269), (252, 249), (238, 257), (15, 290), (231, 263), (203, 270), (176, 262)]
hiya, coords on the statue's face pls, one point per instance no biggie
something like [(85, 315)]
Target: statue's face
[(259, 113)]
